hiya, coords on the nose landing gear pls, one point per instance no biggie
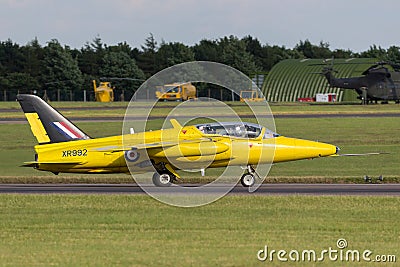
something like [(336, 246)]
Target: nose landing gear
[(248, 178)]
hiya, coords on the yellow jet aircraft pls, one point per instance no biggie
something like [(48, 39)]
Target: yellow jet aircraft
[(63, 147)]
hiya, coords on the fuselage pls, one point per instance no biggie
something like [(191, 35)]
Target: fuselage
[(63, 147), (185, 148)]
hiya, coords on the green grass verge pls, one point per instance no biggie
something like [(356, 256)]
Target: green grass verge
[(124, 230)]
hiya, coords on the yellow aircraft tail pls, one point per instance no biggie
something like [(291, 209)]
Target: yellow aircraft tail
[(47, 124)]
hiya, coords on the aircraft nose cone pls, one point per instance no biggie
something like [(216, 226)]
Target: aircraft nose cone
[(337, 150)]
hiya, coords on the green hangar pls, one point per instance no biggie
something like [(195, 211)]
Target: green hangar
[(292, 79)]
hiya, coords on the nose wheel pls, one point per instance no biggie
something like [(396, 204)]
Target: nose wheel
[(247, 180)]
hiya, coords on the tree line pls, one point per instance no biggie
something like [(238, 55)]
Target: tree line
[(56, 67)]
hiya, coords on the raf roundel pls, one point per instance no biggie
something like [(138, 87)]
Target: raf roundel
[(132, 155)]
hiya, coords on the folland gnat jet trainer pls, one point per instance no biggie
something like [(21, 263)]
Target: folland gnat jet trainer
[(64, 148)]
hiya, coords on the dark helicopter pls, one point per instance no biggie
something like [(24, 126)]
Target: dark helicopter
[(377, 84)]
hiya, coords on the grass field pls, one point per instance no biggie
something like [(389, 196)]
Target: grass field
[(353, 135), (109, 230)]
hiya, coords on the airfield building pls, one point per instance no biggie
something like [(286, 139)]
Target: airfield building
[(292, 79)]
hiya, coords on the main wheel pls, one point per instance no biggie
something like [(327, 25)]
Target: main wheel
[(247, 180), (163, 179)]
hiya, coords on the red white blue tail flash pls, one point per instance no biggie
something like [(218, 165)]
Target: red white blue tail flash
[(68, 131)]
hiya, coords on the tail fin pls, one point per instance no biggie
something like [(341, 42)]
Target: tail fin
[(47, 125)]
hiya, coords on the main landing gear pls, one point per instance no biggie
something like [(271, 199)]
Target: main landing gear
[(249, 178), (163, 177)]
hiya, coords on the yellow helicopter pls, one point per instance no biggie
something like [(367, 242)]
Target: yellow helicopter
[(104, 92)]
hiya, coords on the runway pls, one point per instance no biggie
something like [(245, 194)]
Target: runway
[(265, 189), (19, 120)]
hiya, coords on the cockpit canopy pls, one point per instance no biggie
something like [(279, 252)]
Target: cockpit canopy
[(236, 129)]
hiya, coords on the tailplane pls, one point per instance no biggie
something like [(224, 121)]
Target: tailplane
[(47, 124)]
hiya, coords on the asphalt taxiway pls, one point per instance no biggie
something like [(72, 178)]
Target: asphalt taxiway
[(19, 120), (265, 189)]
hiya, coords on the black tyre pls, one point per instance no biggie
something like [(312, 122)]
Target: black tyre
[(162, 180), (247, 180)]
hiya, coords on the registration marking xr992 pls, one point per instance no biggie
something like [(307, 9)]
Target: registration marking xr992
[(75, 153)]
